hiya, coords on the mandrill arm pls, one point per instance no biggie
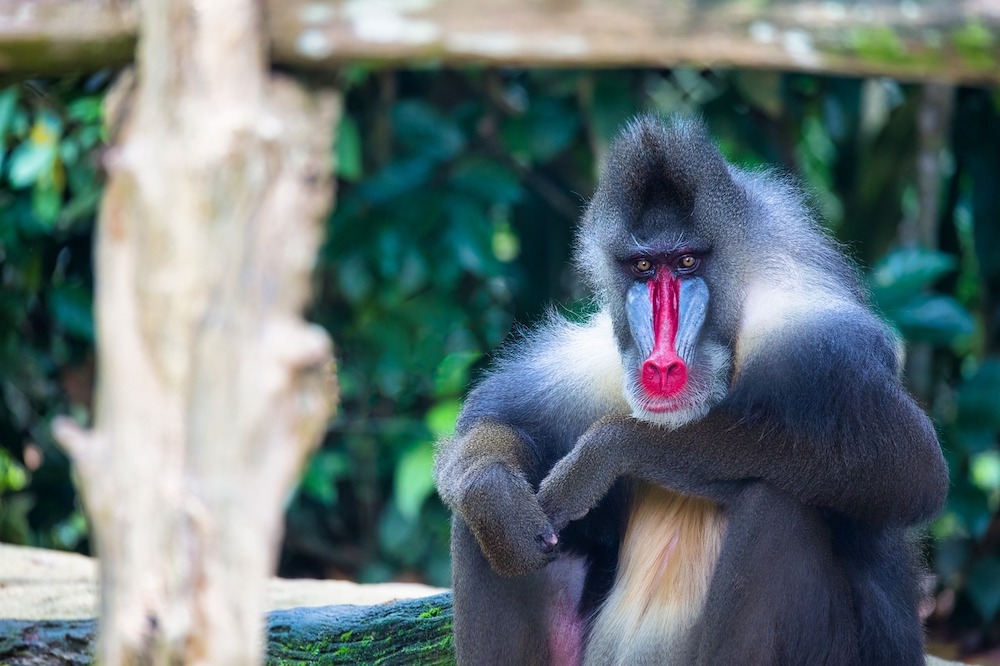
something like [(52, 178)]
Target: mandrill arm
[(818, 413)]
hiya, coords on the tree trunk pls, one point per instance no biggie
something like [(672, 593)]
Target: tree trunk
[(211, 389)]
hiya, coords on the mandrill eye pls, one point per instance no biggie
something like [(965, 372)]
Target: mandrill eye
[(642, 266), (687, 263)]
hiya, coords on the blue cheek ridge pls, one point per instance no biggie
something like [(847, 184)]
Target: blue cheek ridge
[(693, 307), (639, 309)]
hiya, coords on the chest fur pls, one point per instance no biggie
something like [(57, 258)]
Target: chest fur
[(668, 556)]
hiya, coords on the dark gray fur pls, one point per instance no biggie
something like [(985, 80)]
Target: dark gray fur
[(816, 453)]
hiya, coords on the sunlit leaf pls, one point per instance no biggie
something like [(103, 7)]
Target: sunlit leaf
[(85, 110), (985, 470), (441, 418), (453, 373), (31, 161), (414, 480), (12, 475)]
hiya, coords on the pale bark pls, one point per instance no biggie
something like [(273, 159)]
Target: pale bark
[(945, 40), (211, 389)]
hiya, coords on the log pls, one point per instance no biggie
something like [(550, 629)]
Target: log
[(945, 40), (414, 631)]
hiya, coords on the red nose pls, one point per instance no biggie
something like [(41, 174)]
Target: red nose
[(663, 375)]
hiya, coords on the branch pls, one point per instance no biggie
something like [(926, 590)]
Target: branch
[(957, 41)]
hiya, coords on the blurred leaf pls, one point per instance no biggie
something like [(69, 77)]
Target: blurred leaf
[(906, 272), (85, 110), (15, 526), (355, 279), (762, 89), (612, 106), (30, 162), (421, 127), (72, 308), (349, 161), (46, 202), (319, 480), (939, 320), (12, 475), (979, 398), (971, 439), (487, 180), (985, 470), (984, 586), (951, 556), (397, 179), (441, 418), (541, 133), (470, 235), (453, 373), (414, 480), (68, 533), (8, 103), (971, 506), (506, 243)]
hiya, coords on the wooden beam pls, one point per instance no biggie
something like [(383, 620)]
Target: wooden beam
[(52, 36), (953, 40), (944, 40)]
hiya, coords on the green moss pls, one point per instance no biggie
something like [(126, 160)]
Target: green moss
[(975, 44), (434, 611), (346, 636), (878, 44)]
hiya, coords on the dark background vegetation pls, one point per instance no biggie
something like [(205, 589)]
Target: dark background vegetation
[(458, 195)]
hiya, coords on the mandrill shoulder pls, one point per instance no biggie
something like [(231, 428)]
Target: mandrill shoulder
[(821, 363), (552, 383)]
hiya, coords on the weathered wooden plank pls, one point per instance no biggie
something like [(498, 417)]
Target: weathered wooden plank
[(947, 40), (957, 40), (49, 36)]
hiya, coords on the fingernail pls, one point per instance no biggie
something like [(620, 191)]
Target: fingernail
[(548, 541)]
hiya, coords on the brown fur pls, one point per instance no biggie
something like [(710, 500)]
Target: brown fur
[(671, 545)]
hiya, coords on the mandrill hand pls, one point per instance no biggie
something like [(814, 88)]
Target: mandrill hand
[(585, 475), (502, 511)]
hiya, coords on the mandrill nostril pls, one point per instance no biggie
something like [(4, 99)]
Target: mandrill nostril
[(664, 377)]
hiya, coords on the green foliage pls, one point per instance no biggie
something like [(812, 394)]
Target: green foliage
[(457, 198), (49, 189), (900, 284)]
